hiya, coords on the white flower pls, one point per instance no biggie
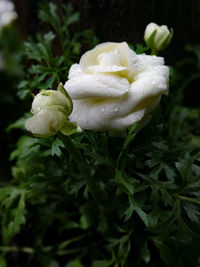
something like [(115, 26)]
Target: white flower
[(50, 111), (157, 37), (112, 87), (7, 12)]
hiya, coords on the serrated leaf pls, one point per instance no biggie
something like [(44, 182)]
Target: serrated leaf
[(22, 84), (119, 179), (56, 145), (48, 84), (185, 167), (192, 211), (133, 206), (170, 173), (72, 19), (14, 217)]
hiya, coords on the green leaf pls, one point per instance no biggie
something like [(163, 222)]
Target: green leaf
[(121, 182), (48, 84), (2, 262), (102, 263), (14, 217), (72, 19), (75, 263), (192, 211), (145, 253), (133, 206), (84, 222), (129, 138), (19, 124), (48, 13), (185, 167), (56, 145)]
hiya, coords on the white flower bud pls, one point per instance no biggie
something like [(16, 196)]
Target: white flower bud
[(51, 110), (51, 98), (46, 122), (157, 37)]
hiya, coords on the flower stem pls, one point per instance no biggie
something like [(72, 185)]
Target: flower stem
[(76, 155), (81, 163), (154, 52), (16, 249)]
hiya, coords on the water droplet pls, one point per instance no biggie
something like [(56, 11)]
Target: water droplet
[(115, 108), (102, 108), (153, 82)]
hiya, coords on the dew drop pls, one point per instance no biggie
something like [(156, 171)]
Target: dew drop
[(115, 108), (153, 82)]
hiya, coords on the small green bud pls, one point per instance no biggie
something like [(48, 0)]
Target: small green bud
[(157, 38), (50, 109)]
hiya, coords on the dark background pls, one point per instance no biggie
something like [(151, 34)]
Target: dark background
[(125, 20)]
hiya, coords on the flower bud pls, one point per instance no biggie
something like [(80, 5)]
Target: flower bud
[(50, 111), (51, 98), (157, 38)]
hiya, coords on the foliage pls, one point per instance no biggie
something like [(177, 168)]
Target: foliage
[(54, 52), (92, 200)]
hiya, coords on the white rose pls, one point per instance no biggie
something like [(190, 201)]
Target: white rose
[(112, 87)]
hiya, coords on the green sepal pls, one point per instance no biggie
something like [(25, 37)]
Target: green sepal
[(149, 41), (70, 128), (69, 100), (165, 41)]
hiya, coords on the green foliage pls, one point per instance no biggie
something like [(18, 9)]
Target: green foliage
[(92, 200), (54, 53), (12, 210)]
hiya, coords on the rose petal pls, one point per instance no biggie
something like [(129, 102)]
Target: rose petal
[(75, 71), (90, 58), (97, 86)]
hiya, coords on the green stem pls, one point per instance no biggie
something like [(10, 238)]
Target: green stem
[(194, 200), (154, 52), (81, 163), (76, 155), (17, 249)]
